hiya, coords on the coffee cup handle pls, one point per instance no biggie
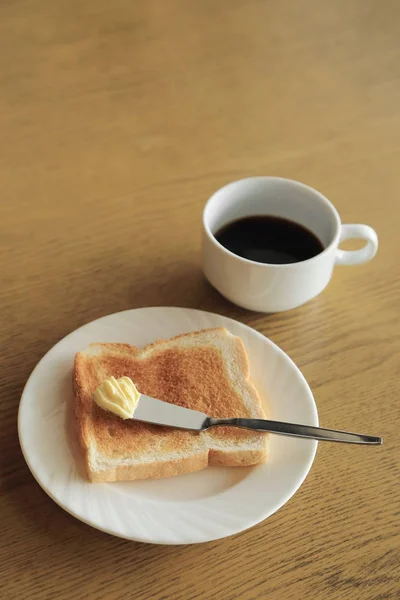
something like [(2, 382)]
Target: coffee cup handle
[(357, 257)]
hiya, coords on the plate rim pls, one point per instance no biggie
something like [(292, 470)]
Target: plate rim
[(249, 522)]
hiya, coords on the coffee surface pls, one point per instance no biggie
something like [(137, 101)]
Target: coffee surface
[(269, 239)]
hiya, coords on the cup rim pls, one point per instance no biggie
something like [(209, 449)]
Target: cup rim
[(321, 197)]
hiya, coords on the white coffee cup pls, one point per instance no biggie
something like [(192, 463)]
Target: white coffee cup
[(277, 287)]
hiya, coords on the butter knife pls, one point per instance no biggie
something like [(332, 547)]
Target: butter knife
[(158, 412)]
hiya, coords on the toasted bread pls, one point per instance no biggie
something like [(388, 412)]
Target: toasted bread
[(205, 370)]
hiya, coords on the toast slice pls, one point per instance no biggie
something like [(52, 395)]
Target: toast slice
[(205, 370)]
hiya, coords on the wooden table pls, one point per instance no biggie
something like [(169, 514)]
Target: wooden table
[(118, 120)]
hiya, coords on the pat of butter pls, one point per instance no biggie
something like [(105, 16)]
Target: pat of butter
[(118, 396)]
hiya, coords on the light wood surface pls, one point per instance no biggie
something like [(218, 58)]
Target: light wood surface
[(118, 120)]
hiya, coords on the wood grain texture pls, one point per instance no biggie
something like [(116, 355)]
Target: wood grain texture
[(118, 120)]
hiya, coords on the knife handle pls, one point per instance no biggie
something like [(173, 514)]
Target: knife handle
[(301, 431)]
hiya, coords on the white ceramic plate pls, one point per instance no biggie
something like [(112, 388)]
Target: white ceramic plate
[(187, 509)]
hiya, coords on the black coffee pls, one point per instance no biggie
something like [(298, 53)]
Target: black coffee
[(269, 239)]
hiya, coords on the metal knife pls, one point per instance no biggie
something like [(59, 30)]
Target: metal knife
[(158, 412)]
